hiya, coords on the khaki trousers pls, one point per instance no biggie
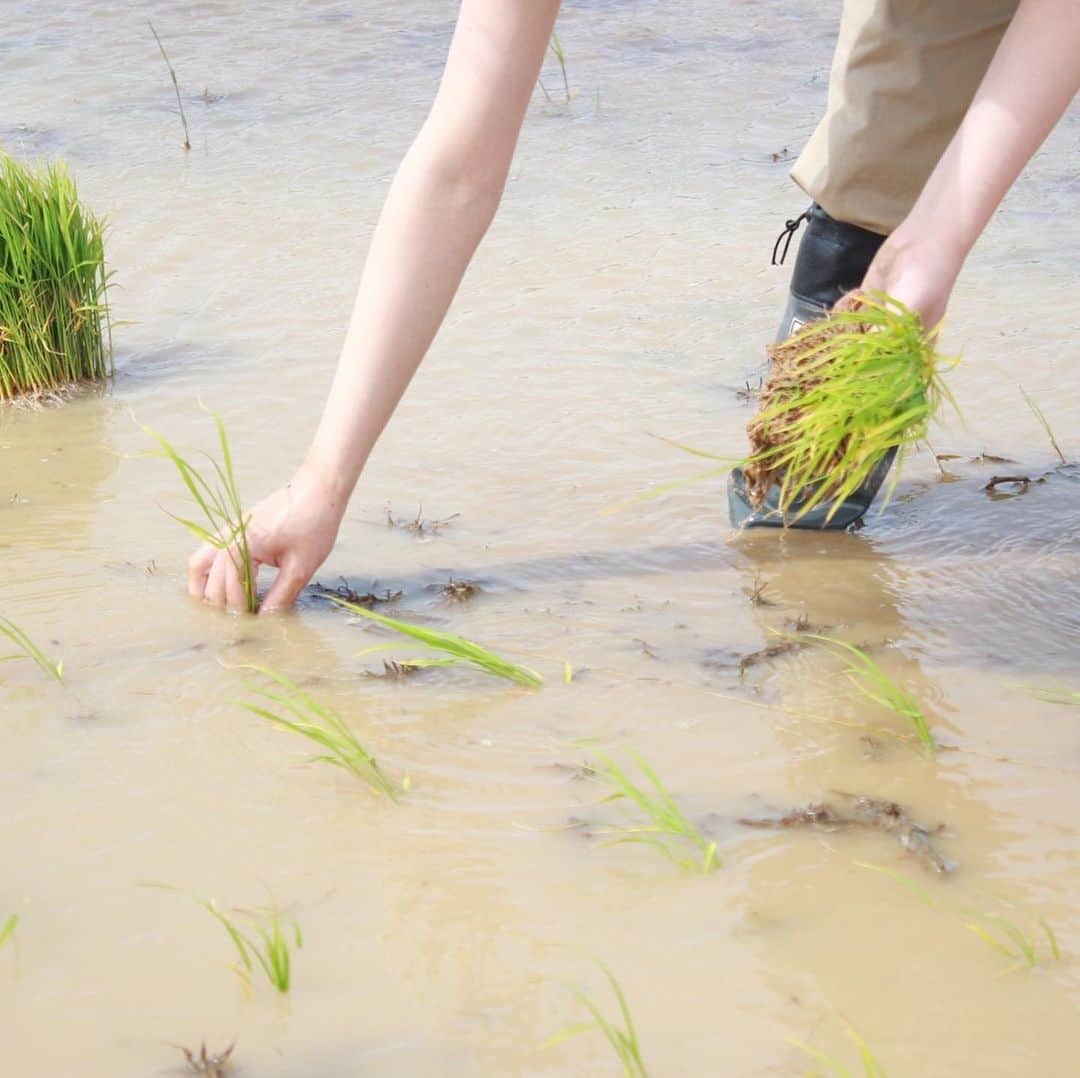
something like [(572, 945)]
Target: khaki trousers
[(902, 78)]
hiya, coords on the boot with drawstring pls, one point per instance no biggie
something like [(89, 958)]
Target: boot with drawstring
[(833, 259)]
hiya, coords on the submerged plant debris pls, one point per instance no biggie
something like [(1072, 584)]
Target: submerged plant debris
[(368, 598), (418, 525), (866, 812), (213, 1064), (839, 395), (459, 591)]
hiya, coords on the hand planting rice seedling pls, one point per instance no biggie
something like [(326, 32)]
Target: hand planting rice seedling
[(623, 1039), (305, 716), (842, 396), (667, 830), (221, 507), (460, 649), (876, 685), (27, 649), (54, 318)]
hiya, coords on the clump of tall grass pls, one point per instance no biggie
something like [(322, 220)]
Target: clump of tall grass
[(871, 1068), (54, 317), (623, 1039), (876, 685), (667, 828), (456, 647), (298, 711), (27, 649), (840, 395), (7, 929), (218, 499)]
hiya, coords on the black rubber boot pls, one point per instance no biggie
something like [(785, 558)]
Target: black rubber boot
[(833, 259)]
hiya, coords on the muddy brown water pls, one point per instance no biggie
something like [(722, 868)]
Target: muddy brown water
[(624, 292)]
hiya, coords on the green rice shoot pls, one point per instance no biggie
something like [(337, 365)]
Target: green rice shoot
[(293, 709), (876, 685), (871, 1068), (623, 1039), (7, 929), (218, 499), (266, 945), (54, 317), (840, 394), (1064, 696), (560, 55), (1044, 423), (667, 829), (457, 647), (27, 649)]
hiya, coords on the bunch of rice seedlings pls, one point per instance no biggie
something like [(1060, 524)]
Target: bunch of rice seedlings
[(457, 647), (871, 1068), (267, 945), (7, 929), (840, 395), (668, 829), (876, 685), (623, 1040), (54, 319), (304, 715), (219, 501), (27, 649)]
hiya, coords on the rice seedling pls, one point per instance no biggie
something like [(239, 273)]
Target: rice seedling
[(176, 85), (871, 1068), (876, 685), (27, 649), (1044, 423), (668, 829), (555, 45), (267, 945), (623, 1039), (54, 318), (1063, 696), (298, 711), (7, 929), (840, 395), (460, 649), (219, 501)]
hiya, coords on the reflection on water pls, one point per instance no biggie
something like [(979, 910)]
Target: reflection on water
[(623, 292)]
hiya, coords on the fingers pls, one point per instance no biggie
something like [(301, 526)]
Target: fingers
[(216, 590), (198, 569), (287, 586)]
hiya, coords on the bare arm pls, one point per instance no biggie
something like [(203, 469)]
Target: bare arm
[(442, 200), (1034, 75)]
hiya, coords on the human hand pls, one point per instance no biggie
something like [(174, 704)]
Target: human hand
[(918, 271), (294, 530)]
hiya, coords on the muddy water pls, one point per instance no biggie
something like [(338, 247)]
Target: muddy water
[(624, 292)]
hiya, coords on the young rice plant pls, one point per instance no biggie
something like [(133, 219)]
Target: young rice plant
[(219, 501), (266, 944), (7, 929), (623, 1040), (840, 395), (54, 319), (27, 649), (293, 709), (667, 828), (458, 648), (871, 1068), (876, 685)]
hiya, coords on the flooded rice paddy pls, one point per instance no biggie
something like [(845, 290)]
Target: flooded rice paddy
[(624, 292)]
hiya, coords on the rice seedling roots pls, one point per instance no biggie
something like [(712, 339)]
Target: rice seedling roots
[(866, 812), (787, 359)]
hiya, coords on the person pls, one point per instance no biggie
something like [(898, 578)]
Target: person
[(933, 111)]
